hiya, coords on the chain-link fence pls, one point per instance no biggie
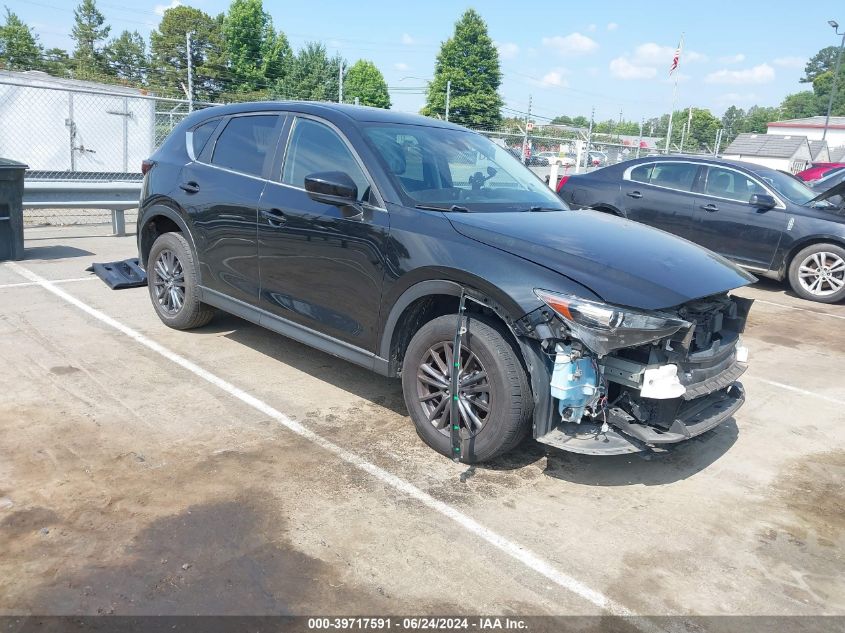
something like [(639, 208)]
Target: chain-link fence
[(67, 130)]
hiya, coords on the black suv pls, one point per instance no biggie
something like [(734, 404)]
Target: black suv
[(417, 248)]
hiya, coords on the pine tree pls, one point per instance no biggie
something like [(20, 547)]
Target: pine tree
[(365, 81), (470, 60), (258, 56), (312, 75), (169, 56), (89, 28), (126, 57), (19, 48)]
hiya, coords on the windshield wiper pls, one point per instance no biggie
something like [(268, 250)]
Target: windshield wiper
[(542, 209), (453, 209)]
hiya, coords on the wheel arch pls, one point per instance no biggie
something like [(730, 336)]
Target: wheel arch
[(157, 220), (430, 299), (803, 243)]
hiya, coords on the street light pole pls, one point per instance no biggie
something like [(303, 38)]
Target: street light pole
[(835, 26)]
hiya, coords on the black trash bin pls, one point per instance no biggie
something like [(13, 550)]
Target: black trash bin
[(11, 209)]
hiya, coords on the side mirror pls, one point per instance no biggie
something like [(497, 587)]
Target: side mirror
[(762, 201), (331, 187)]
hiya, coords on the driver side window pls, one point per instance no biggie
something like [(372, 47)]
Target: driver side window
[(727, 183), (315, 147)]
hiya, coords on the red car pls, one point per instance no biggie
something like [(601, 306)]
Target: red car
[(819, 170)]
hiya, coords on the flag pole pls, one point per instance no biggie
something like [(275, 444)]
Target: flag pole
[(674, 93)]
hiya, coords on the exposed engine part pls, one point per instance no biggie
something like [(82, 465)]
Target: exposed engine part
[(575, 383)]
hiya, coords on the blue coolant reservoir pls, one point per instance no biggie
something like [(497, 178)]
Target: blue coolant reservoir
[(574, 383)]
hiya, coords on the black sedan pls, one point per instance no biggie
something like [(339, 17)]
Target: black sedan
[(762, 219)]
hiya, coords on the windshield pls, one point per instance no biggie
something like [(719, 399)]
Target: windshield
[(788, 186), (446, 168)]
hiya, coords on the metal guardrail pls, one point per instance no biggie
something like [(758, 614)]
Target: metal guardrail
[(116, 197)]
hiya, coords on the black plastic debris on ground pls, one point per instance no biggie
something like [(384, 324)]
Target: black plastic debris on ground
[(120, 275)]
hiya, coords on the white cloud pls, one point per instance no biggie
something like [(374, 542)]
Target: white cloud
[(732, 59), (622, 68), (401, 66), (507, 50), (159, 9), (790, 62), (651, 53), (612, 26), (554, 79), (733, 98), (407, 39), (763, 73), (572, 44)]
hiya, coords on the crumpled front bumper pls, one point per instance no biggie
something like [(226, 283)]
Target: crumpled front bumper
[(623, 434)]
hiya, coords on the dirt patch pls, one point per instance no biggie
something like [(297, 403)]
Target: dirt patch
[(220, 558)]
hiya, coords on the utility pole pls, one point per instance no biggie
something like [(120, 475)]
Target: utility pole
[(525, 137), (448, 96), (718, 142), (190, 72), (619, 126), (835, 25), (686, 130), (340, 83), (589, 136), (640, 142)]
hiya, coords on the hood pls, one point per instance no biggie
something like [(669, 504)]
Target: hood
[(623, 262), (836, 190)]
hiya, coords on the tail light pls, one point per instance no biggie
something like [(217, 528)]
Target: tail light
[(147, 165), (561, 183)]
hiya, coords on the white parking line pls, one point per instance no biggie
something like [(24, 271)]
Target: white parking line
[(803, 392), (25, 284), (788, 307), (519, 553)]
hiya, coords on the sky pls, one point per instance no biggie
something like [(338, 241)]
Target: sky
[(568, 57)]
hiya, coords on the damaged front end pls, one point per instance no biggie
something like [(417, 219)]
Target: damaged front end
[(624, 380)]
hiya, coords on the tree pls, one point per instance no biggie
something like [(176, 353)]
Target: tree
[(56, 62), (89, 28), (19, 48), (758, 117), (819, 63), (823, 84), (169, 55), (800, 104), (126, 57), (471, 62), (311, 76), (257, 55), (732, 122), (365, 81)]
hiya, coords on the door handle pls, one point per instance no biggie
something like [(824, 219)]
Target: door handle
[(710, 207), (190, 186), (634, 194), (275, 217)]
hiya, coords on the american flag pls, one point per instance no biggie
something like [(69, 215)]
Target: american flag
[(676, 58)]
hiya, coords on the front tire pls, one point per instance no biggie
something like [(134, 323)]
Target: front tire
[(817, 273), (172, 282), (495, 402)]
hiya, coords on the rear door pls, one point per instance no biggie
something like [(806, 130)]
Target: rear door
[(727, 224), (221, 190), (660, 194)]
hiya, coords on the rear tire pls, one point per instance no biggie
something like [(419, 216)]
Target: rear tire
[(817, 273), (172, 283), (504, 391)]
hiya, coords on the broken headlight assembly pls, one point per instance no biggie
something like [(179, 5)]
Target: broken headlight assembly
[(603, 328)]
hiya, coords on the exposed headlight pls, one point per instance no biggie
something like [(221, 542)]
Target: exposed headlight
[(604, 328)]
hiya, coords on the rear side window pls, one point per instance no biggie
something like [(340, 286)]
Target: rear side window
[(201, 134), (245, 142), (679, 176), (642, 173)]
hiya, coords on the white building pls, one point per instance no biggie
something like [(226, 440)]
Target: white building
[(62, 126), (813, 128), (779, 151)]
